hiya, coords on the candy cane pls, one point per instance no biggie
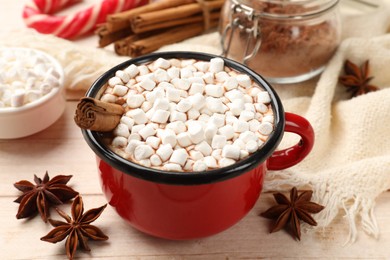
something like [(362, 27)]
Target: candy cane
[(38, 14)]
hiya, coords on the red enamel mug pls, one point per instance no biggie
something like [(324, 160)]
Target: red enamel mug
[(189, 205)]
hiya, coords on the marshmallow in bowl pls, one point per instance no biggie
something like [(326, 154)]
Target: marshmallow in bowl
[(25, 76), (188, 115)]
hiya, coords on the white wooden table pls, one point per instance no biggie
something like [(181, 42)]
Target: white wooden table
[(60, 149)]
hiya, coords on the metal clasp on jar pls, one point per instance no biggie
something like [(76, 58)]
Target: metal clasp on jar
[(244, 19)]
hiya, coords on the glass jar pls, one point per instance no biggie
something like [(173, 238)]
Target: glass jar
[(286, 41)]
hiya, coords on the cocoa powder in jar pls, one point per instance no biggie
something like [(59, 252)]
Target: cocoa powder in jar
[(290, 47)]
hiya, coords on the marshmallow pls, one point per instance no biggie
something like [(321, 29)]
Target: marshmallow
[(219, 141), (221, 76), (183, 139), (121, 130), (145, 162), (214, 90), (215, 105), (224, 162), (147, 131), (240, 126), (208, 77), (161, 75), (155, 160), (186, 73), (251, 146), (201, 66), (237, 106), (193, 113), (179, 83), (134, 136), (210, 131), (143, 70), (177, 126), (244, 80), (17, 99), (184, 105), (153, 141), (108, 98), (172, 167), (161, 103), (227, 131), (179, 156), (243, 154), (249, 107), (119, 141), (147, 84), (127, 121), (198, 101), (263, 97), (217, 154), (164, 151), (160, 116), (132, 70), (161, 63), (196, 133), (196, 88), (261, 108), (231, 151), (268, 118), (217, 119), (189, 165), (173, 72), (135, 101), (168, 136), (210, 162), (138, 115), (266, 128), (216, 65), (136, 128), (200, 166), (173, 94), (254, 125), (114, 81), (246, 116), (247, 136), (142, 152), (196, 155), (230, 83), (204, 148), (177, 116), (125, 77), (146, 106)]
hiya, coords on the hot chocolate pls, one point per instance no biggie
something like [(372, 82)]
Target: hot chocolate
[(188, 115)]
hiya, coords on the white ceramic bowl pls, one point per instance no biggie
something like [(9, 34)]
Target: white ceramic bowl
[(17, 122)]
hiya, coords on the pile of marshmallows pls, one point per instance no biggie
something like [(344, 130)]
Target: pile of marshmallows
[(25, 76), (188, 115)]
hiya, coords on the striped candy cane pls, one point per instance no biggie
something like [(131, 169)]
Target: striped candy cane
[(39, 14)]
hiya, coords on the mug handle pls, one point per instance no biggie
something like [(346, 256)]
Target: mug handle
[(288, 157)]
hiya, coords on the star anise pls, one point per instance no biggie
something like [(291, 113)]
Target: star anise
[(42, 195), (292, 211), (77, 228), (357, 79)]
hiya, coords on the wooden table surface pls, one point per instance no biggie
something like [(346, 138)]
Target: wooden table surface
[(60, 149)]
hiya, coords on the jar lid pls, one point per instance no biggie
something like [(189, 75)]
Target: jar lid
[(282, 9)]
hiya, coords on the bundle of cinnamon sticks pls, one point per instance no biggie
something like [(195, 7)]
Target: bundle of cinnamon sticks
[(147, 28)]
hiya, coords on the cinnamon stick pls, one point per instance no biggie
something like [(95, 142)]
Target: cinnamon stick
[(119, 21), (152, 43), (106, 37), (172, 14), (140, 28), (97, 115)]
